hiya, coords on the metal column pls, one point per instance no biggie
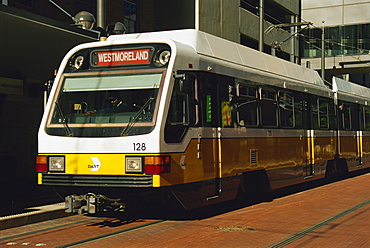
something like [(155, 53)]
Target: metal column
[(261, 13), (100, 4)]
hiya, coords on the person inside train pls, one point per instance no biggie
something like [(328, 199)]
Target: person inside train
[(116, 106)]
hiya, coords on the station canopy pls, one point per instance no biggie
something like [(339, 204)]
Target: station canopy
[(32, 47)]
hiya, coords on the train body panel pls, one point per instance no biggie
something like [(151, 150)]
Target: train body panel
[(348, 147)]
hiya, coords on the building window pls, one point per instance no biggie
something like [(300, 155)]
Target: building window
[(130, 12), (274, 13), (250, 5), (339, 40)]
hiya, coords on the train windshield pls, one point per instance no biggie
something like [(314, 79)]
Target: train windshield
[(109, 105)]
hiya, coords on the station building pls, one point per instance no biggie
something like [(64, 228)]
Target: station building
[(235, 20), (36, 34), (346, 26)]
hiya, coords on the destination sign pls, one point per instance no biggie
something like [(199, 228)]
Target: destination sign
[(122, 57)]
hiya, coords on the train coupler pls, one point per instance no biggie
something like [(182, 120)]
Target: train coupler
[(92, 203)]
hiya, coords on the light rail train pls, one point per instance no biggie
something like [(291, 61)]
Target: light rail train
[(189, 116)]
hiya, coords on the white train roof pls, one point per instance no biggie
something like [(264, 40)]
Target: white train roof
[(352, 92), (213, 46)]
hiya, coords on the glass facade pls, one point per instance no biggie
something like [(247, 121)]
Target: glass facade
[(339, 40)]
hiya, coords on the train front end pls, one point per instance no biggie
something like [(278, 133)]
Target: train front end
[(100, 134)]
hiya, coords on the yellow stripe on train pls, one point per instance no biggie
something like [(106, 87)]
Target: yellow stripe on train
[(112, 164)]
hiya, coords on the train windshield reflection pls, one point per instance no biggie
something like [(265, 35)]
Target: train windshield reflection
[(107, 99)]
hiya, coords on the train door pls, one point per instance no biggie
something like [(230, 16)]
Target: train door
[(292, 112), (210, 155), (194, 104), (357, 126), (308, 158), (365, 137), (209, 141), (349, 136), (323, 137), (308, 137)]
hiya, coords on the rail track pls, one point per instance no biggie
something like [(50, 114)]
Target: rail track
[(310, 215)]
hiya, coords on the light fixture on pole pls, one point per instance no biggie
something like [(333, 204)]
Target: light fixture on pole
[(84, 19), (116, 28)]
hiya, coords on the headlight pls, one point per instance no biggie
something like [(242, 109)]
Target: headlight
[(56, 164), (162, 57), (76, 62), (134, 165)]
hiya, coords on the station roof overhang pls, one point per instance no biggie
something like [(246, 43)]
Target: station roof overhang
[(31, 46)]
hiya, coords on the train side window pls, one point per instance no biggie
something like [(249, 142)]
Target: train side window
[(210, 94), (226, 98), (286, 109), (301, 116), (321, 114), (182, 111), (268, 107), (366, 117), (178, 113), (247, 105), (345, 116)]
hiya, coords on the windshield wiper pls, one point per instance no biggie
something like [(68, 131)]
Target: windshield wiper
[(134, 119), (68, 130)]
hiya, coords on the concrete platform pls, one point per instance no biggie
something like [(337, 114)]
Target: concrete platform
[(331, 215), (33, 215)]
